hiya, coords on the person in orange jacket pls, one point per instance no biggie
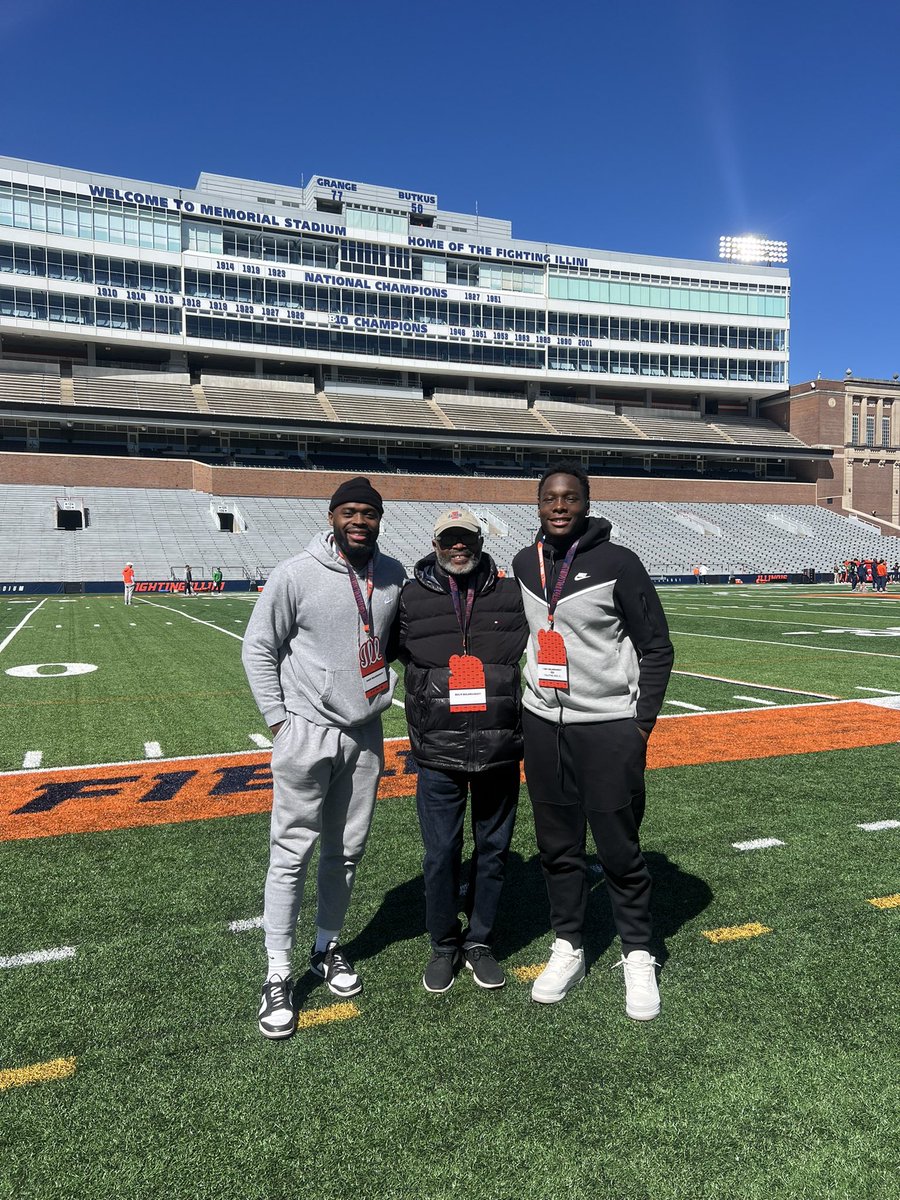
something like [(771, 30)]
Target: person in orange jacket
[(128, 581)]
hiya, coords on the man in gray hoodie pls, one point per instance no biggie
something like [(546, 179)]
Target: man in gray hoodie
[(314, 653)]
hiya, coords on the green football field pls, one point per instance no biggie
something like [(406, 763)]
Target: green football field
[(131, 958)]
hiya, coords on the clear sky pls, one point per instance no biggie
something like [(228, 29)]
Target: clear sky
[(641, 127)]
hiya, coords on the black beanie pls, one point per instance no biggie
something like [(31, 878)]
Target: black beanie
[(357, 491)]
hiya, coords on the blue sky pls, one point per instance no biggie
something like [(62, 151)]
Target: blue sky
[(644, 127)]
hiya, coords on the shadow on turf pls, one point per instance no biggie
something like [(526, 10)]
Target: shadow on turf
[(678, 897)]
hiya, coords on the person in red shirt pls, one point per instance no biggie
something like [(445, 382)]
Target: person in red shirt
[(128, 580)]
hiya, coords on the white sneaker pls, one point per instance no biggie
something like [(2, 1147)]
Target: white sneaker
[(562, 972), (641, 990)]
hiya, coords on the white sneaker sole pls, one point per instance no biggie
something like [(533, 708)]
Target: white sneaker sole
[(438, 991), (488, 987), (642, 1014), (555, 997), (277, 1034)]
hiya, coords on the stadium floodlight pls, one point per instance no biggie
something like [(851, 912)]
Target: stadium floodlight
[(751, 248)]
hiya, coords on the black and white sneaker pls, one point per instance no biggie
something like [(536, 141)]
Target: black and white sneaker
[(336, 969), (277, 1018), (441, 971), (486, 971)]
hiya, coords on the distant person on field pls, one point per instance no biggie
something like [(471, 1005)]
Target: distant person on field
[(188, 582), (599, 659), (704, 571), (315, 657), (880, 575), (128, 581), (461, 634), (218, 585)]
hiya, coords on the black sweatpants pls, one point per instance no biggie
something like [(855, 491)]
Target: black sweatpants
[(581, 775)]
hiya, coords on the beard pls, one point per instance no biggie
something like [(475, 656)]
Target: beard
[(444, 560), (357, 555)]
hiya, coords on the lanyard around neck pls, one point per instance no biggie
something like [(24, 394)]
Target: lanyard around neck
[(553, 600), (463, 622), (364, 606)]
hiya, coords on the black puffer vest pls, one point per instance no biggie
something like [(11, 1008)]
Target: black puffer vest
[(428, 635)]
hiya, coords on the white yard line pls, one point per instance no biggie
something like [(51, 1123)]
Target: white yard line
[(187, 617), (763, 687), (756, 700), (264, 743), (152, 750), (32, 759), (880, 691), (9, 637), (724, 712), (57, 954), (877, 826), (720, 637), (684, 704), (815, 624), (399, 704)]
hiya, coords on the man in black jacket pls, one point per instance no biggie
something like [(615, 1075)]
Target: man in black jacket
[(599, 659), (461, 634)]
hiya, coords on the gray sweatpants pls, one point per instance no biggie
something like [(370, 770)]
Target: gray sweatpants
[(325, 780)]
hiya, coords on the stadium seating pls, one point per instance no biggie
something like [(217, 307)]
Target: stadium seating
[(161, 530), (158, 391), (263, 398), (29, 383)]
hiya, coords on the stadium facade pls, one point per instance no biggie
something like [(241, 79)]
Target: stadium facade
[(342, 274), (345, 325)]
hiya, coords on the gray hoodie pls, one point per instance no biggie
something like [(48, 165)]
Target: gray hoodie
[(301, 648)]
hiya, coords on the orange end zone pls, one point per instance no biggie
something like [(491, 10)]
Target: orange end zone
[(47, 803)]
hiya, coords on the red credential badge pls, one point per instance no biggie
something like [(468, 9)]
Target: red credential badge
[(552, 664), (468, 692), (373, 668)]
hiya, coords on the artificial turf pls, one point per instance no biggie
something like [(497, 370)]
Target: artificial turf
[(771, 1072)]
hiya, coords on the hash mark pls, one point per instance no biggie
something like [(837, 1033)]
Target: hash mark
[(57, 954), (734, 933), (244, 925)]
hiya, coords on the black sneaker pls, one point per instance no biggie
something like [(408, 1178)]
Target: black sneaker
[(277, 1018), (441, 971), (336, 969), (486, 971)]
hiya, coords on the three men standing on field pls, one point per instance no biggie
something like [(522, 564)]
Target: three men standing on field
[(599, 658)]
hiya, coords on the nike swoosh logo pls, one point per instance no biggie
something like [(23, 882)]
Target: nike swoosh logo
[(582, 575)]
